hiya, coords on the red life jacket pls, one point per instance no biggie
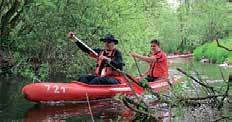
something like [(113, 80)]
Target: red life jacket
[(102, 68), (159, 68)]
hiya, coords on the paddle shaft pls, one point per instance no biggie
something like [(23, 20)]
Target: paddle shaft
[(140, 74), (96, 54), (134, 90), (90, 49)]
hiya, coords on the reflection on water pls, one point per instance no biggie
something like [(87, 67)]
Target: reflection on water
[(12, 102), (210, 72), (102, 110), (202, 113), (13, 106)]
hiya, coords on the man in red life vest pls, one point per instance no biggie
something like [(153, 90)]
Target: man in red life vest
[(157, 60), (104, 74)]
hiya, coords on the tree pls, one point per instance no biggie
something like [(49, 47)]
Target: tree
[(10, 12)]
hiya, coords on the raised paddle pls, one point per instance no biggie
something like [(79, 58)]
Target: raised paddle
[(85, 48), (134, 87)]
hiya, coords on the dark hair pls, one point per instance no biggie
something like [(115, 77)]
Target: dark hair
[(155, 41)]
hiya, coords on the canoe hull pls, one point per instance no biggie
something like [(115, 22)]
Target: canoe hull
[(77, 91)]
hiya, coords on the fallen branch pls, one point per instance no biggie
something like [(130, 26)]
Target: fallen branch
[(226, 48), (197, 81), (226, 92), (202, 98), (126, 102), (222, 118)]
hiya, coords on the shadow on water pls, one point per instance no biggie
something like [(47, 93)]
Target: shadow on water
[(202, 113), (12, 102), (101, 110), (13, 106), (4, 93)]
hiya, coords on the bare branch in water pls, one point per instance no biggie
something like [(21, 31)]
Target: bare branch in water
[(226, 48), (194, 79)]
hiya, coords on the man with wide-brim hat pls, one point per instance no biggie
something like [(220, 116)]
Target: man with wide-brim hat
[(109, 38), (104, 74)]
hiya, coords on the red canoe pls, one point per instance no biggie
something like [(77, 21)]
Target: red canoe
[(77, 91), (180, 56)]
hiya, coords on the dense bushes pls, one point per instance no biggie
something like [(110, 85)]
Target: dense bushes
[(214, 53), (38, 46)]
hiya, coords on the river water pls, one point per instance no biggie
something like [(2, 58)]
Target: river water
[(13, 106)]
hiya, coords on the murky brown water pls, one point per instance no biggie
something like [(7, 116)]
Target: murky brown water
[(13, 106)]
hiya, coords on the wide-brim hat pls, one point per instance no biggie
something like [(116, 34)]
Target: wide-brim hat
[(109, 38)]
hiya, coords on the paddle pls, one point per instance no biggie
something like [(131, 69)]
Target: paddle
[(85, 48), (134, 87), (140, 74)]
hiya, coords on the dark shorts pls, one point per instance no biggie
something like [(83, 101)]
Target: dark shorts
[(92, 79)]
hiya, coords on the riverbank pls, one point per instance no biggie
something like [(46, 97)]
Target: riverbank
[(211, 53)]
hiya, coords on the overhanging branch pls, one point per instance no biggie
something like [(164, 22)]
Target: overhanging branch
[(226, 48)]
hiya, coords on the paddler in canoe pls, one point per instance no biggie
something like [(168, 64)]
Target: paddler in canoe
[(104, 74), (158, 63)]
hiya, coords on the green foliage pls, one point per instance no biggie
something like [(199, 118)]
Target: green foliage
[(214, 53), (42, 34), (229, 59), (201, 20), (38, 41), (179, 88), (27, 72)]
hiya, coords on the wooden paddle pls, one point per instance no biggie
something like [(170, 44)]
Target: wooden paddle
[(137, 66), (134, 85)]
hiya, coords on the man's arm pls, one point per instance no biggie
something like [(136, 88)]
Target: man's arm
[(83, 47), (144, 58), (97, 50)]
